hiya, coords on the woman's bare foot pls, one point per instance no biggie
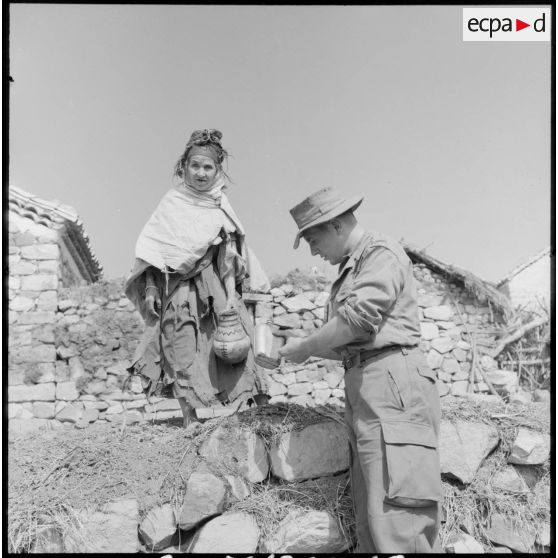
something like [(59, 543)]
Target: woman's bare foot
[(187, 412)]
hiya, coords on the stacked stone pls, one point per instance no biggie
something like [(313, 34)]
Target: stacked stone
[(69, 351), (210, 519), (464, 446), (236, 462), (96, 340), (33, 299), (316, 382), (450, 318), (92, 333)]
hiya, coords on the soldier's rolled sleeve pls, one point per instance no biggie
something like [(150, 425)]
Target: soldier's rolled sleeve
[(373, 293)]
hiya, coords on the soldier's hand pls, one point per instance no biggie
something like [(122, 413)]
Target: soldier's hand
[(295, 350), (232, 304), (289, 333)]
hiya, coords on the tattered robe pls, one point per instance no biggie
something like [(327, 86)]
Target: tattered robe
[(191, 242)]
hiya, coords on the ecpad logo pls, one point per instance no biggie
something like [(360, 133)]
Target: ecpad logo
[(506, 24)]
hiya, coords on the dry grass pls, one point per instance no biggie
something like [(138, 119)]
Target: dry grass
[(53, 474), (270, 503), (470, 507), (272, 421)]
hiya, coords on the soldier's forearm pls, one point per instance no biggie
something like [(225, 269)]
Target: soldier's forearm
[(334, 333)]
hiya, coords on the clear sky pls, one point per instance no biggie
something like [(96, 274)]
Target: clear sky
[(448, 141)]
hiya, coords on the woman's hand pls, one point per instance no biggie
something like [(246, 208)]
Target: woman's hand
[(152, 301), (295, 350), (232, 304)]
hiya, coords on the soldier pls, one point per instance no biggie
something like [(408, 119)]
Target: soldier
[(392, 408)]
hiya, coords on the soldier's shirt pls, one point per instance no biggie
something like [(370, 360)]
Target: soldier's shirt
[(375, 293)]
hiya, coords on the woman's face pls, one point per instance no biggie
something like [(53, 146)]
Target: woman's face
[(200, 172)]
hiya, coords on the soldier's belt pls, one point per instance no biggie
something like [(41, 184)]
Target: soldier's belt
[(356, 359)]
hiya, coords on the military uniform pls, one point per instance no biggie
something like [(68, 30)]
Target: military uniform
[(392, 407)]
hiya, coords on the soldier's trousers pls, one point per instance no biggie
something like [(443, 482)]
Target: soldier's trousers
[(392, 412)]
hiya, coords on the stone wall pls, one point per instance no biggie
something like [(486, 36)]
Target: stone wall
[(93, 333), (450, 318), (69, 350), (33, 300), (36, 273)]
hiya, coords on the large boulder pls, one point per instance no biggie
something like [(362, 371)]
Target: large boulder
[(158, 528), (504, 381), (307, 531), (317, 450), (464, 446), (531, 474), (464, 544), (530, 448), (114, 529), (502, 530), (205, 498), (542, 395), (238, 487), (509, 480), (229, 533), (239, 450)]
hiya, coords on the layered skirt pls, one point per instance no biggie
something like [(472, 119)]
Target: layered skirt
[(175, 356)]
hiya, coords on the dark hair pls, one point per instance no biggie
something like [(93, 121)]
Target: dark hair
[(208, 137)]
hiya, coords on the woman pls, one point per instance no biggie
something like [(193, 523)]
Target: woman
[(191, 258)]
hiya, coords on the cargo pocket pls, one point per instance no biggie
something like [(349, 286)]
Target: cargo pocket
[(413, 465), (395, 389)]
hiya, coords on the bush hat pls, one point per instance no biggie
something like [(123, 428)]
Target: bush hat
[(320, 207)]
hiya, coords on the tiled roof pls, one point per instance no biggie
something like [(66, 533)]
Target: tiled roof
[(58, 216)]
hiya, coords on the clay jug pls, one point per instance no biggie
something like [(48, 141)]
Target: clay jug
[(230, 342)]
